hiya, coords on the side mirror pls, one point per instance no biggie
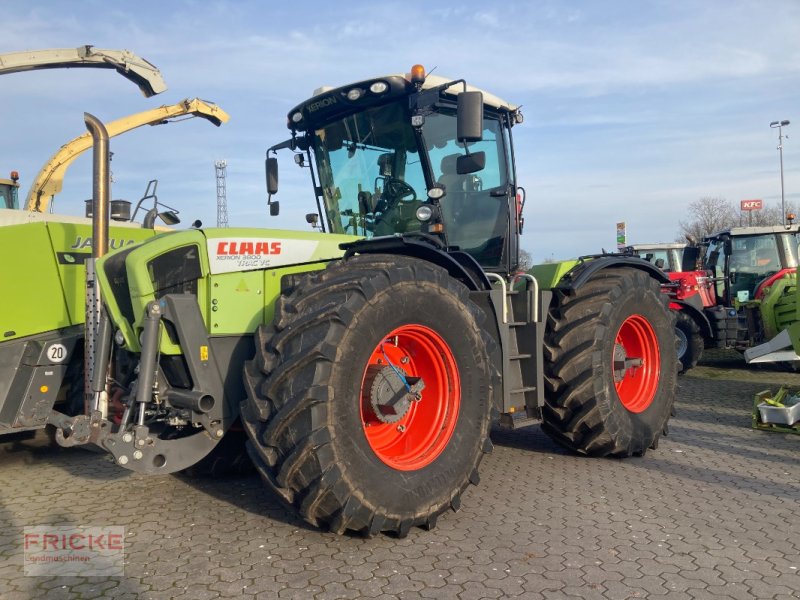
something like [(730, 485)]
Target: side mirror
[(312, 219), (274, 208), (471, 163), (272, 175), (469, 117), (691, 254)]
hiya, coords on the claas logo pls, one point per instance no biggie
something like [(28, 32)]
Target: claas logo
[(248, 248)]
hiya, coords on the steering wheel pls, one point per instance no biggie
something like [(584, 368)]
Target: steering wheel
[(397, 189)]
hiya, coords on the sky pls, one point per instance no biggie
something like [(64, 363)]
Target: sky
[(633, 109)]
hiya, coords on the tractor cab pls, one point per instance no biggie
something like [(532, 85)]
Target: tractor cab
[(666, 256), (9, 191), (747, 260), (415, 155)]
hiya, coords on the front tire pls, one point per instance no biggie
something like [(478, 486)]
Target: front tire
[(611, 365), (333, 421)]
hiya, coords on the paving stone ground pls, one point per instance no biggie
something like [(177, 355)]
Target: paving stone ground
[(713, 513)]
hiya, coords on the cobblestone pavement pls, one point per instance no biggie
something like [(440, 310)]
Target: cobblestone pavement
[(713, 513)]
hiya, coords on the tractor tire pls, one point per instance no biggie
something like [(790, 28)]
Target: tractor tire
[(611, 365), (325, 429), (690, 341), (229, 458)]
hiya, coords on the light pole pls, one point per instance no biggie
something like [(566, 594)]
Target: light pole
[(780, 125)]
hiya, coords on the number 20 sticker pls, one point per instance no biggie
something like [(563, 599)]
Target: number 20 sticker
[(57, 353)]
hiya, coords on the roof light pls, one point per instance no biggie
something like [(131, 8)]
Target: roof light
[(14, 175), (379, 87), (354, 94), (297, 117), (418, 74)]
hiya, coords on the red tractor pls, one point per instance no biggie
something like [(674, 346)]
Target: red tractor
[(742, 294)]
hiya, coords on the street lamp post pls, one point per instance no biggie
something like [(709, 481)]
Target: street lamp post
[(779, 125)]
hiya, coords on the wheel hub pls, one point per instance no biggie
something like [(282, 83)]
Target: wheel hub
[(622, 363), (392, 392)]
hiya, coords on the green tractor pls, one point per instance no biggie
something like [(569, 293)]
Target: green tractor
[(43, 308), (367, 362), (9, 191)]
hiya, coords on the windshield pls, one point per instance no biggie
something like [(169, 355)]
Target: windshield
[(751, 259), (8, 196), (370, 172), (373, 181)]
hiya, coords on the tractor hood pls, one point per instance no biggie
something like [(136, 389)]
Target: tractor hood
[(235, 274)]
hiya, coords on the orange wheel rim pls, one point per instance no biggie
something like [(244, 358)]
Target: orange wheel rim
[(637, 364), (422, 427)]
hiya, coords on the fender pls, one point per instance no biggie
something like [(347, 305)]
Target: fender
[(459, 265), (584, 271), (696, 314)]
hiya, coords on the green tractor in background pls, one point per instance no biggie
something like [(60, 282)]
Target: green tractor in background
[(9, 191), (43, 308), (366, 363)]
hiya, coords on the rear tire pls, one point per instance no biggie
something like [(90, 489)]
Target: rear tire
[(597, 400), (690, 342), (323, 372)]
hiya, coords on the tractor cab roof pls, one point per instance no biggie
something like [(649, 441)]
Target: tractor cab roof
[(763, 230), (659, 246), (328, 102)]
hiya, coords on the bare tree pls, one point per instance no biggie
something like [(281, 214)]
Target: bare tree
[(525, 260), (769, 215), (706, 216)]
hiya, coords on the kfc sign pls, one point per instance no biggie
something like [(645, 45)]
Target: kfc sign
[(752, 204)]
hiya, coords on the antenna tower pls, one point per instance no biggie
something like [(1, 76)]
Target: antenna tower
[(221, 167)]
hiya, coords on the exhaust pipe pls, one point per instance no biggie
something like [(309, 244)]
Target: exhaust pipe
[(96, 365), (101, 184)]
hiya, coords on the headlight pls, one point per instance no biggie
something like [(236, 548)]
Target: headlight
[(354, 94), (435, 193), (297, 117), (424, 213)]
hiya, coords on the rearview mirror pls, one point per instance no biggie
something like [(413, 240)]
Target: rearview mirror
[(274, 208), (469, 117), (471, 163), (272, 175)]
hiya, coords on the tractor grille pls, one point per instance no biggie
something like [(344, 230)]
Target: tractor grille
[(176, 271)]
